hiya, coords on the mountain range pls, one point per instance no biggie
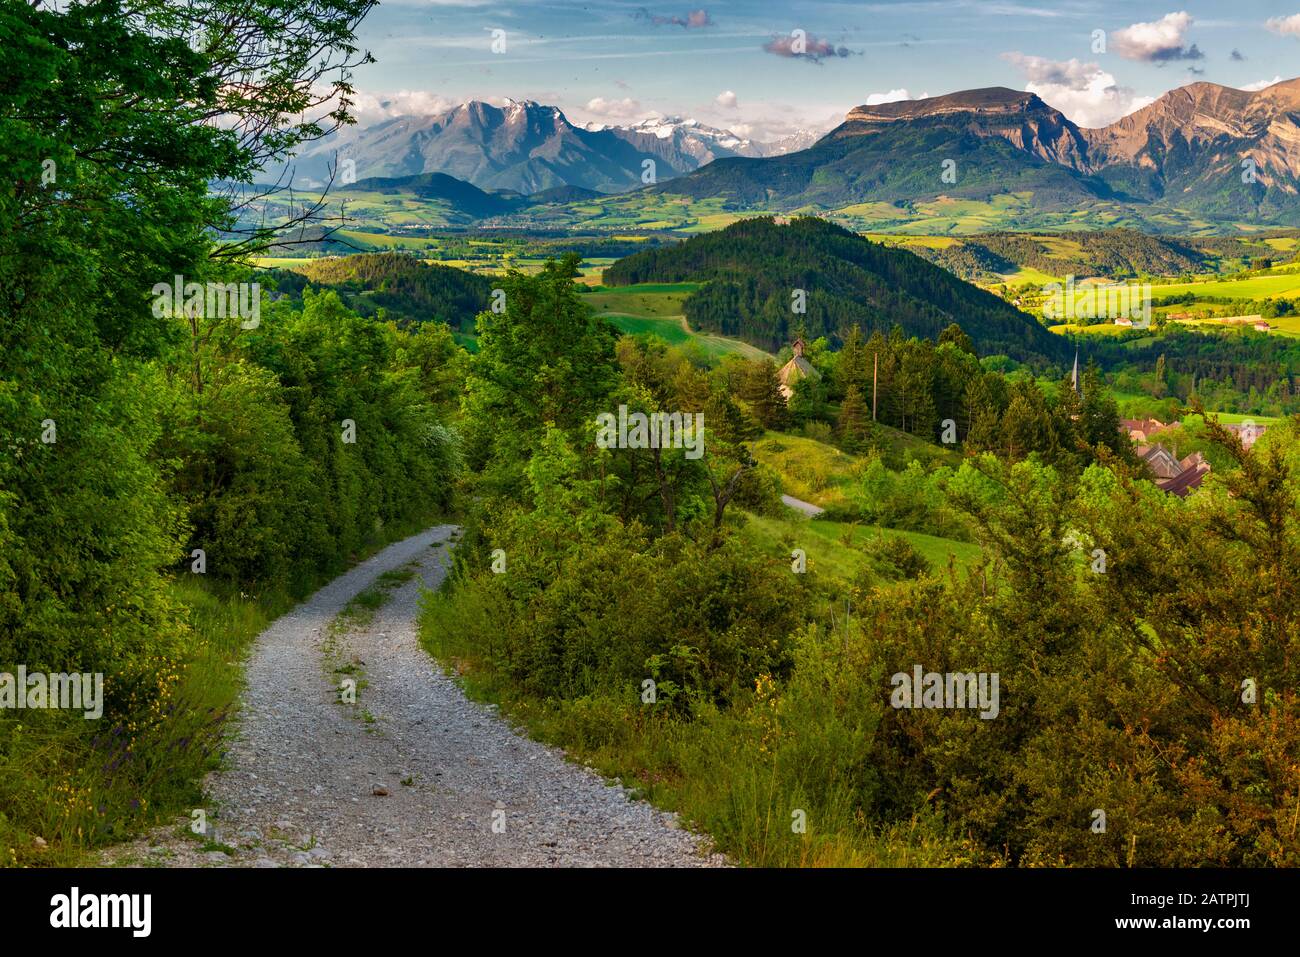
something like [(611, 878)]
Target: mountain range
[(525, 147), (1198, 159), (1202, 150)]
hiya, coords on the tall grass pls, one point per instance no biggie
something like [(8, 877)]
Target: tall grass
[(69, 786), (775, 779)]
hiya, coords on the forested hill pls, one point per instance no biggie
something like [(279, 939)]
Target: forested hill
[(753, 268), (408, 289)]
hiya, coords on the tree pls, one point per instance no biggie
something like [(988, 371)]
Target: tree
[(957, 336), (854, 423), (762, 391), (1099, 418), (852, 365), (543, 359)]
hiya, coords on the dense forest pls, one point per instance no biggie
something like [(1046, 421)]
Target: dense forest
[(404, 288), (1114, 253), (157, 466), (756, 270)]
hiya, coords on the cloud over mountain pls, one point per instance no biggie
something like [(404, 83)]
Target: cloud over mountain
[(1158, 42), (1084, 92), (692, 20)]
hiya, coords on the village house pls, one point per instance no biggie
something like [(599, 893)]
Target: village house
[(1140, 430), (1173, 475), (797, 368)]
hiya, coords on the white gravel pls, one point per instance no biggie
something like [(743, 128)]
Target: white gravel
[(299, 784), (799, 505)]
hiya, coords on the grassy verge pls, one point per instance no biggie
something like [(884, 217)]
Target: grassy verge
[(771, 779), (69, 786), (833, 548), (820, 473)]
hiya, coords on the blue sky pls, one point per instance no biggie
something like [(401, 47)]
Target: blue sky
[(738, 65)]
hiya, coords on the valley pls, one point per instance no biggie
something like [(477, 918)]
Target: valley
[(372, 581)]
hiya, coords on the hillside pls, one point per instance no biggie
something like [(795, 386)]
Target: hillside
[(462, 197), (408, 289), (1188, 147), (752, 268)]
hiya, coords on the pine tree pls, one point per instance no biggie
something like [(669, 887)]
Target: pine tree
[(957, 336), (853, 365), (854, 424), (763, 393)]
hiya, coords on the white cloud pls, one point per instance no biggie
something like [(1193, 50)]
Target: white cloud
[(613, 109), (374, 107), (1261, 84), (1084, 92), (893, 96), (1285, 25), (1156, 42), (765, 122), (726, 99)]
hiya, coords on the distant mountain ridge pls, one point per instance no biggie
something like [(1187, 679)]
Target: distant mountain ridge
[(525, 147), (1185, 150)]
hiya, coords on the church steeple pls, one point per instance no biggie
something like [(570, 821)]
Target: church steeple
[(1074, 376)]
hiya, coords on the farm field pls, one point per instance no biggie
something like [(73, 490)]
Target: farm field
[(655, 300), (675, 331), (1096, 329), (1285, 285), (1282, 325), (656, 309)]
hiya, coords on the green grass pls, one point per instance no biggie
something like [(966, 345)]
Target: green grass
[(675, 332), (656, 309), (832, 547), (651, 300), (1095, 329), (1284, 285), (820, 473), (810, 470), (68, 782)]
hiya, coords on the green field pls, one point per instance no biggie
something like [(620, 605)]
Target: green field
[(1280, 326), (1097, 329), (656, 309), (654, 300), (676, 332), (1285, 285), (821, 474), (832, 547)]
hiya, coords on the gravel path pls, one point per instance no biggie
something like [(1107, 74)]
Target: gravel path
[(413, 774), (808, 508)]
